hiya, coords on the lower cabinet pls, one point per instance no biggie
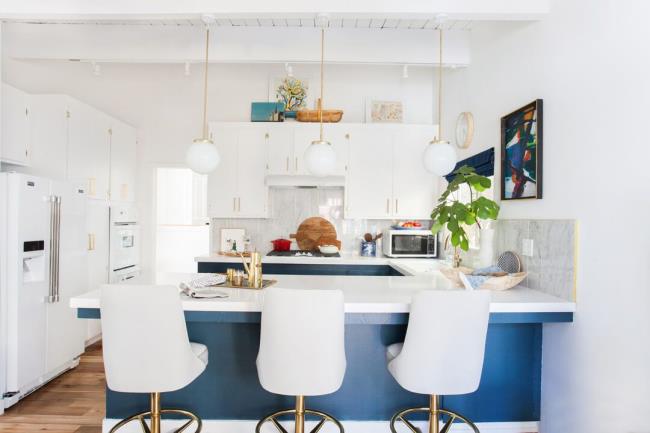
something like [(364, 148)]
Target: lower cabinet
[(305, 269)]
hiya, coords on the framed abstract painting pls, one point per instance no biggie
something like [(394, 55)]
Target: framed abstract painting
[(521, 153)]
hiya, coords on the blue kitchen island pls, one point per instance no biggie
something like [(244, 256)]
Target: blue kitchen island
[(376, 316)]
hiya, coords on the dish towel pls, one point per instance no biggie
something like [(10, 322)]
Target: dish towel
[(478, 277), (200, 287)]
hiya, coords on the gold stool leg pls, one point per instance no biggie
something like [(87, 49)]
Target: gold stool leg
[(300, 414), (155, 412), (434, 417)]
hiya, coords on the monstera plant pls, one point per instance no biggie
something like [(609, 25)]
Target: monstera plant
[(456, 215)]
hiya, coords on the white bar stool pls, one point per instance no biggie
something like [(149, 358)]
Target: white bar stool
[(147, 350), (302, 350), (442, 353)]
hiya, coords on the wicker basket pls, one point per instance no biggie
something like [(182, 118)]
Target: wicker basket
[(495, 283), (329, 116)]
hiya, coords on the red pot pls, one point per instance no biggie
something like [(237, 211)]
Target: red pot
[(281, 245)]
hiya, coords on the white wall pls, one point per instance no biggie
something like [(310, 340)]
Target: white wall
[(165, 105), (591, 67)]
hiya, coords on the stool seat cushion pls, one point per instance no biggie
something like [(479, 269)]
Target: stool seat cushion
[(393, 350), (201, 351)]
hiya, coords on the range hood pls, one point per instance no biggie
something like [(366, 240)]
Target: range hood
[(304, 181)]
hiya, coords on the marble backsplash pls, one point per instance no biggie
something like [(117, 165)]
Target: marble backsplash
[(552, 267), (289, 206)]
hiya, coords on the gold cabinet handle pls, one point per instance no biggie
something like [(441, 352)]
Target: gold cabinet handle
[(238, 204), (387, 205), (287, 164), (91, 241), (234, 204), (296, 163), (396, 206), (92, 186)]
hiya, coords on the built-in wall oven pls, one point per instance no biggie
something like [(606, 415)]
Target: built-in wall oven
[(410, 243), (124, 243)]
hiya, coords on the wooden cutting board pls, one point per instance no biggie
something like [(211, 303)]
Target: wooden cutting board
[(315, 231)]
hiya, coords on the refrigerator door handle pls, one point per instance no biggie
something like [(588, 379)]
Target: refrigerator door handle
[(50, 294), (57, 291)]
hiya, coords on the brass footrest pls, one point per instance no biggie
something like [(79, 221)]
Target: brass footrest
[(142, 419), (273, 418), (452, 416)]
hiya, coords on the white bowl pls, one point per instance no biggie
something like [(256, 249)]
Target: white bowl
[(328, 249)]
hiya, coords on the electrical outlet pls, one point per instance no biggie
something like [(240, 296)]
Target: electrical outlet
[(527, 247)]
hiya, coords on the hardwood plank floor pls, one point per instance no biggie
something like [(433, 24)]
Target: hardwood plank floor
[(72, 403)]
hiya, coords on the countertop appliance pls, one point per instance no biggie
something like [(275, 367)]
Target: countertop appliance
[(410, 243), (281, 244), (124, 262), (300, 253), (43, 261)]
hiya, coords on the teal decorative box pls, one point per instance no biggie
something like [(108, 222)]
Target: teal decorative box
[(267, 112)]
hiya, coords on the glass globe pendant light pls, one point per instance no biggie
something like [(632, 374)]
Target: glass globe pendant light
[(440, 156), (203, 156), (320, 157)]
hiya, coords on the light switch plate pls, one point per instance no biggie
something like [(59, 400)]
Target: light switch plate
[(527, 246)]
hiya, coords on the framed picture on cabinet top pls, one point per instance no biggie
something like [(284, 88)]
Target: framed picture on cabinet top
[(521, 153), (384, 111)]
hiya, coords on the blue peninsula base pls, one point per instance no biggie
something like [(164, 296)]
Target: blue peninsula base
[(229, 388)]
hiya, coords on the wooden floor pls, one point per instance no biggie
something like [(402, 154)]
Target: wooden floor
[(71, 403)]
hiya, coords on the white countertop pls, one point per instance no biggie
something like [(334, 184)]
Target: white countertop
[(362, 294)]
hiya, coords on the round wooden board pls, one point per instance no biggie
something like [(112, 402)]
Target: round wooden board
[(315, 231)]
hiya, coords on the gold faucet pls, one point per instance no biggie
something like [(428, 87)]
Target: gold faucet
[(254, 270)]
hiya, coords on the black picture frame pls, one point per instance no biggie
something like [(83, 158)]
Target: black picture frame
[(516, 161)]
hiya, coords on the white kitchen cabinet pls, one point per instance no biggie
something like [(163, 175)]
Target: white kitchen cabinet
[(279, 143), (341, 136), (386, 178), (236, 188), (89, 148), (15, 126), (122, 161), (49, 135), (252, 192), (369, 182), (415, 191), (97, 227), (304, 134)]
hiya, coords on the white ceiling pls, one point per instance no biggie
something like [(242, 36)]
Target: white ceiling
[(358, 23)]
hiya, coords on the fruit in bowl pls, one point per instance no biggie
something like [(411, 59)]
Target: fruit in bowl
[(410, 225)]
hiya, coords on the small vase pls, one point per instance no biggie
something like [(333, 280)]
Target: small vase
[(486, 252)]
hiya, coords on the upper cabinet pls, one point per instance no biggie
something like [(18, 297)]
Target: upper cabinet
[(16, 135), (237, 188), (386, 178), (49, 135), (123, 144), (59, 137), (89, 149)]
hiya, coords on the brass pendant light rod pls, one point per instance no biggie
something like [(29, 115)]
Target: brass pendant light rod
[(205, 83), (322, 62)]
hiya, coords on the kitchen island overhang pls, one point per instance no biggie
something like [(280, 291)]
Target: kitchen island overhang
[(376, 316)]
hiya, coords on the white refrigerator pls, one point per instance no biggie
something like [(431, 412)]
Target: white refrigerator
[(43, 251)]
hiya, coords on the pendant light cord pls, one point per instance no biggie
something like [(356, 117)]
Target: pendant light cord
[(205, 85), (440, 86), (322, 61)]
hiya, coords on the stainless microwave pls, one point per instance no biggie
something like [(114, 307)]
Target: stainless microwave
[(410, 243)]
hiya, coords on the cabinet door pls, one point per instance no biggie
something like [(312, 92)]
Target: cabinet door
[(97, 227), (252, 192), (49, 132), (89, 148), (341, 136), (415, 191), (15, 127), (280, 148), (369, 183), (304, 134), (123, 164), (222, 182)]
